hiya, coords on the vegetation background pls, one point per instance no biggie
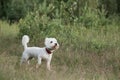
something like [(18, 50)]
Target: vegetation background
[(88, 32)]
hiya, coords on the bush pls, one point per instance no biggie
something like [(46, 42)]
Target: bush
[(93, 17), (76, 36), (16, 9), (38, 26)]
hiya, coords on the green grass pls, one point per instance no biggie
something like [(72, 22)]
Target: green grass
[(86, 54), (7, 30)]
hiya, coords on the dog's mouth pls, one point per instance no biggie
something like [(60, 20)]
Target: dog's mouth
[(56, 46)]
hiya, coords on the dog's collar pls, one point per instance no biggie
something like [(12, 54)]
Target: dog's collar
[(48, 50)]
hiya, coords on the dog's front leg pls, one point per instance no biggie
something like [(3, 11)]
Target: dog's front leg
[(48, 64)]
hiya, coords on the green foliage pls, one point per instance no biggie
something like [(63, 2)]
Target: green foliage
[(111, 6), (39, 24), (15, 10), (93, 17), (69, 11), (36, 25)]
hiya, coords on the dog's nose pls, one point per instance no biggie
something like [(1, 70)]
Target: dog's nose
[(55, 44)]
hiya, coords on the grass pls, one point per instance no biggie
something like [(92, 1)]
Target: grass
[(92, 55)]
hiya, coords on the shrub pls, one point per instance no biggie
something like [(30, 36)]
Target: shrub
[(93, 17), (38, 26)]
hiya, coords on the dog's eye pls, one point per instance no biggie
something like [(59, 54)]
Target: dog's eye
[(51, 41)]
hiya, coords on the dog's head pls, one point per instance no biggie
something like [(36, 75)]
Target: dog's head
[(51, 43)]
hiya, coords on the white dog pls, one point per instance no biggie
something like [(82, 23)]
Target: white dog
[(46, 52)]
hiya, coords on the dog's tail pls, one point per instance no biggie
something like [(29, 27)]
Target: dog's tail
[(25, 40)]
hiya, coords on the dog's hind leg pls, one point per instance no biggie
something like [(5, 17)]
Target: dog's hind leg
[(23, 60), (28, 60)]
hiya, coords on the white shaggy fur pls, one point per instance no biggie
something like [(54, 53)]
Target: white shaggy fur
[(46, 52)]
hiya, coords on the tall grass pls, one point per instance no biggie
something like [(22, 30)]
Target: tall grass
[(84, 54), (6, 30), (89, 44), (89, 48)]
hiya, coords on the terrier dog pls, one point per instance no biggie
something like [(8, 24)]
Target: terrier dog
[(46, 52)]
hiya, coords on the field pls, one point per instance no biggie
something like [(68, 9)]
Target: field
[(92, 54)]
